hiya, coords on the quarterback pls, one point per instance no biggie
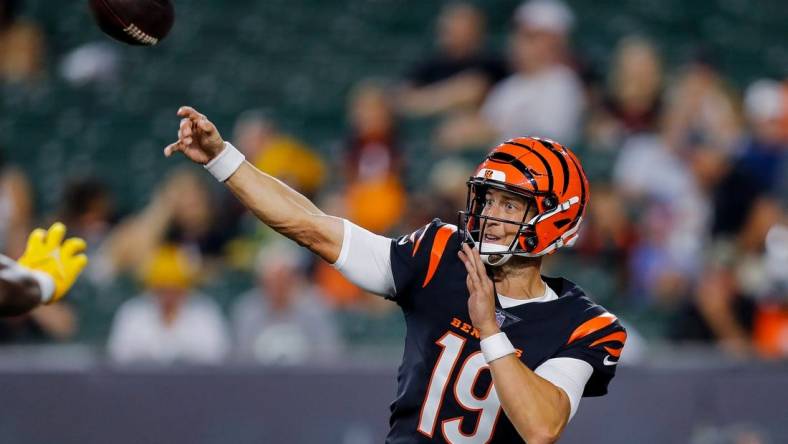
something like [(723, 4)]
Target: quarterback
[(45, 272), (494, 351)]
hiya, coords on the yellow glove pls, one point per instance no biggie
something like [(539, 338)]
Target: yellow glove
[(63, 263)]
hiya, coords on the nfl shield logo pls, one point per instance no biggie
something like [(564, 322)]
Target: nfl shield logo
[(499, 318)]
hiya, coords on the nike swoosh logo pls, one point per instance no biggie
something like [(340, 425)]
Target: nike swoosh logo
[(607, 361)]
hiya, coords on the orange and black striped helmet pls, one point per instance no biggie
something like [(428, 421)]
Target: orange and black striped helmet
[(549, 177)]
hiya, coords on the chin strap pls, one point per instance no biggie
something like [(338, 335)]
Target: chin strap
[(494, 255)]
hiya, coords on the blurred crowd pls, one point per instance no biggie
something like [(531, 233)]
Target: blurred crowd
[(686, 237)]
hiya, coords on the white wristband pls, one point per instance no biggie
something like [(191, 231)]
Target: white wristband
[(45, 283), (496, 346), (225, 163)]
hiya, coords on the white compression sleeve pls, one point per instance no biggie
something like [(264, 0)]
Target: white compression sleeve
[(365, 259), (568, 374), (45, 282)]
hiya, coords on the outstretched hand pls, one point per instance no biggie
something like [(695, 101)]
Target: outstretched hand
[(481, 303), (62, 261), (198, 138)]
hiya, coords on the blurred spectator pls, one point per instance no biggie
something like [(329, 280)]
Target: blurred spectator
[(446, 194), (543, 98), (16, 208), (607, 235), (718, 313), (740, 302), (376, 205), (635, 86), (338, 291), (633, 98), (781, 191), (181, 211), (135, 238), (373, 149), (776, 257), (749, 211), (21, 46), (701, 109), (373, 161), (55, 322), (284, 320), (771, 321), (194, 221), (673, 215), (87, 210), (747, 202), (671, 178), (460, 73), (278, 154), (755, 173), (170, 322)]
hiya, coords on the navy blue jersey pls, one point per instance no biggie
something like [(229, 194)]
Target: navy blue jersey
[(445, 391)]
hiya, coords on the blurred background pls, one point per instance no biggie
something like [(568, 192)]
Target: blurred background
[(195, 323)]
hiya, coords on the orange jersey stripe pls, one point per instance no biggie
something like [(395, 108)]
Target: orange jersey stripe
[(619, 336), (438, 247), (591, 326), (418, 242), (614, 352)]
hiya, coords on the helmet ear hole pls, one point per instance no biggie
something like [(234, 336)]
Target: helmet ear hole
[(531, 242), (550, 202)]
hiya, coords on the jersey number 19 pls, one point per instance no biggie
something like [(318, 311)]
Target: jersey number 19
[(488, 406)]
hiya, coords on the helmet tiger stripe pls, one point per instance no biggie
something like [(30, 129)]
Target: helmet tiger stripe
[(543, 172)]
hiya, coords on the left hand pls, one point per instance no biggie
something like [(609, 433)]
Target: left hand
[(62, 261), (481, 303)]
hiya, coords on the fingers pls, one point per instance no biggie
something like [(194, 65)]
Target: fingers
[(190, 115), (55, 236), (469, 255), (185, 132), (72, 254), (466, 261), (476, 257), (73, 247), (172, 149), (36, 239), (466, 255), (78, 263), (204, 124), (184, 128), (189, 112), (477, 280), (191, 118)]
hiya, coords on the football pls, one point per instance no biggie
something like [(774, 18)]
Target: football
[(136, 22)]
